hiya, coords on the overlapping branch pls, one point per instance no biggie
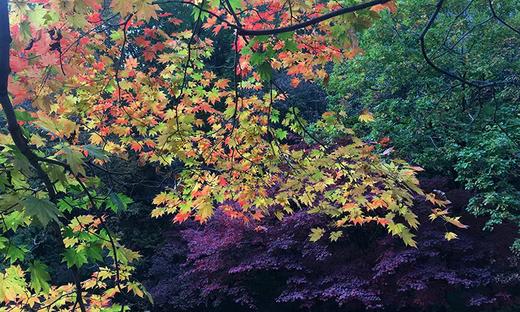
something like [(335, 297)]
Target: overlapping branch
[(473, 83), (275, 31)]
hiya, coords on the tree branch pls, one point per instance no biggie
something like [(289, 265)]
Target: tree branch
[(310, 22), (12, 123), (473, 83), (262, 32), (499, 19)]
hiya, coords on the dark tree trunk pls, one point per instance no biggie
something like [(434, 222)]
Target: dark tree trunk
[(12, 123)]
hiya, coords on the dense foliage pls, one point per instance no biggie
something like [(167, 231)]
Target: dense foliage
[(178, 155), (444, 125)]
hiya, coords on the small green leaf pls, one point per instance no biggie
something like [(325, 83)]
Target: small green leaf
[(39, 277), (334, 236), (74, 160), (74, 257), (15, 253), (4, 242), (118, 202), (280, 134), (23, 116), (265, 71), (95, 151), (257, 58), (94, 252), (116, 35), (316, 234), (13, 220), (42, 210)]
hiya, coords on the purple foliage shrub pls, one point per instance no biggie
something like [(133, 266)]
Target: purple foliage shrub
[(227, 265)]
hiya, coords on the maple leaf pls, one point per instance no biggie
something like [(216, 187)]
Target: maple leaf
[(437, 213), (366, 116), (334, 236), (222, 83), (161, 198), (181, 217), (204, 211), (123, 7), (382, 221), (391, 6), (450, 235), (136, 146), (455, 221), (96, 139), (74, 159), (39, 277), (222, 181), (316, 234), (210, 22), (157, 212), (145, 10), (213, 96)]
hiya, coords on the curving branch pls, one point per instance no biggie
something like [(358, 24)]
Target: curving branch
[(310, 22), (473, 83), (12, 122), (274, 31), (501, 20)]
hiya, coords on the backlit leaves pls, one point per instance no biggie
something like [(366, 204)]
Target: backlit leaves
[(113, 84)]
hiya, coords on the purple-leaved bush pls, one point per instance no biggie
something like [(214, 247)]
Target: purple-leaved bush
[(227, 265)]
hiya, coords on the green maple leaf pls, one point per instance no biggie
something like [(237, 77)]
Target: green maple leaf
[(316, 234), (39, 277), (13, 220), (118, 202), (280, 134), (15, 253), (74, 258), (42, 210), (74, 160), (4, 242), (334, 236), (95, 152)]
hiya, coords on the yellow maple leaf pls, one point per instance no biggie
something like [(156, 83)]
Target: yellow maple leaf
[(157, 212), (96, 139), (161, 198), (450, 235), (366, 116)]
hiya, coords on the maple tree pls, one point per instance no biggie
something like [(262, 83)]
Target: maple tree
[(94, 81)]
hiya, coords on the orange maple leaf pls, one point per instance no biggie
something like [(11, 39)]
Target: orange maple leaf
[(295, 82), (181, 217), (135, 146), (392, 6)]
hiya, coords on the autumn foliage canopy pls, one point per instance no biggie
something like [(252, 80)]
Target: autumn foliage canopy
[(92, 82)]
